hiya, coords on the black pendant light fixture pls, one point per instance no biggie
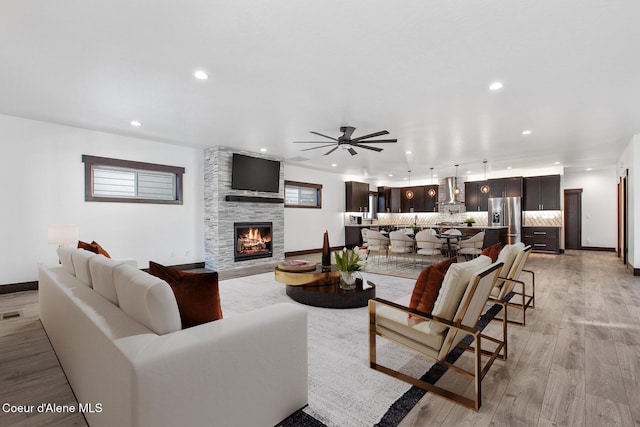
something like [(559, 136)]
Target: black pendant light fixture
[(485, 187), (456, 189), (409, 193), (432, 191)]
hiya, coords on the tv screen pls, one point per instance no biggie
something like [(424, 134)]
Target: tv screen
[(253, 173)]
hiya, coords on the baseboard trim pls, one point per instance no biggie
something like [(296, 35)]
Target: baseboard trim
[(18, 287), (310, 251), (597, 248)]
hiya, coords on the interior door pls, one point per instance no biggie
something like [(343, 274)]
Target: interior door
[(573, 219)]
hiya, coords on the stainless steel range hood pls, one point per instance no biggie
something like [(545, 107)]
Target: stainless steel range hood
[(451, 198)]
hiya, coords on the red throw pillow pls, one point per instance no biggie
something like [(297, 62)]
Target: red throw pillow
[(492, 251), (197, 294), (427, 287), (93, 247)]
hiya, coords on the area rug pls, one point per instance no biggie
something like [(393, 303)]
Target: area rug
[(343, 390)]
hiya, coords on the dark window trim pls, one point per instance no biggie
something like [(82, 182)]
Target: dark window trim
[(89, 161), (306, 185)]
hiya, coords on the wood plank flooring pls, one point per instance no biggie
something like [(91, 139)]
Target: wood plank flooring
[(576, 363)]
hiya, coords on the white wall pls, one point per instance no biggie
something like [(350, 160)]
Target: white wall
[(599, 205), (42, 179), (630, 160), (304, 228)]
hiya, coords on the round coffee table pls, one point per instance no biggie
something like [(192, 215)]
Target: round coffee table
[(322, 289), (332, 296)]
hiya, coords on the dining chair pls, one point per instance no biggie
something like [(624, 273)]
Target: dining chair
[(472, 246), (427, 244), (401, 245), (451, 242), (377, 244)]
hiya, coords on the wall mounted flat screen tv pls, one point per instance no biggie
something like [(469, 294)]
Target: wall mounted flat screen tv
[(253, 173)]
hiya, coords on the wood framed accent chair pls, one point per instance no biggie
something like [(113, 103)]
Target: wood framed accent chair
[(514, 258), (461, 300)]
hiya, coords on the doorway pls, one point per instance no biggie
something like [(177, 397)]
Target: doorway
[(573, 219)]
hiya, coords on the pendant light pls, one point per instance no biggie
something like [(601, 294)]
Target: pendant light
[(432, 191), (456, 189), (409, 193), (485, 187)]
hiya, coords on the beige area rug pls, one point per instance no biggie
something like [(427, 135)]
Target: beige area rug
[(343, 390)]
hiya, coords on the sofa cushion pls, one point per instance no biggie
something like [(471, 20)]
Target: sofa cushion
[(507, 256), (80, 259), (102, 276), (197, 294), (453, 288), (492, 251), (64, 255), (93, 247), (147, 299), (427, 287)]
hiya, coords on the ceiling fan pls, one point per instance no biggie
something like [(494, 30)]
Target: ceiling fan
[(345, 142)]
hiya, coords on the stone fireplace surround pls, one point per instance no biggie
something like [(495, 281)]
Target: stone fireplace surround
[(220, 214)]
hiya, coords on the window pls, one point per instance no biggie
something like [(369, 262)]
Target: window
[(302, 195), (113, 180)]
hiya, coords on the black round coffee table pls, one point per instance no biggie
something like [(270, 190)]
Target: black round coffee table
[(332, 296)]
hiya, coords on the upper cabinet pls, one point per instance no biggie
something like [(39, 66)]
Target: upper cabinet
[(393, 199), (357, 196), (542, 193), (474, 199), (505, 187)]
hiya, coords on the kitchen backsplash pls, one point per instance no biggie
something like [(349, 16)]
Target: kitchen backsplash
[(542, 218)]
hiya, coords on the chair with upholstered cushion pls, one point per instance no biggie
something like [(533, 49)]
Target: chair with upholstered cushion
[(377, 244), (365, 242), (472, 246), (514, 258), (451, 244), (428, 245), (462, 297), (401, 245)]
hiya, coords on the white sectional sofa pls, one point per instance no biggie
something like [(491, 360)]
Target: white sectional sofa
[(116, 331)]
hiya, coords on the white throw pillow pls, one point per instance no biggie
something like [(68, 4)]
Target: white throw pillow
[(453, 287), (80, 259), (147, 299)]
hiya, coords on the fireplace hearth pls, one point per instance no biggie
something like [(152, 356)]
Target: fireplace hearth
[(253, 240)]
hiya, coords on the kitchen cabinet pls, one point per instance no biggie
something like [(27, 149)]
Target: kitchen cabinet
[(474, 199), (416, 203), (396, 200), (391, 199), (505, 187), (542, 239), (357, 196), (542, 193)]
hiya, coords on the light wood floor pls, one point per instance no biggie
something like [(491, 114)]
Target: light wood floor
[(576, 363)]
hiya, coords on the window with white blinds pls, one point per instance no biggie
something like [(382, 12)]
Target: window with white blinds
[(302, 195), (113, 180)]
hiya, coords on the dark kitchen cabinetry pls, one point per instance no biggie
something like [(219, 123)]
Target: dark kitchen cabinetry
[(543, 239), (505, 187), (352, 237), (357, 196), (416, 203), (391, 199), (542, 193), (474, 199)]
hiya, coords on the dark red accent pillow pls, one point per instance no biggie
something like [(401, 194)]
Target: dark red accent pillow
[(93, 247), (492, 251), (197, 294), (427, 287)]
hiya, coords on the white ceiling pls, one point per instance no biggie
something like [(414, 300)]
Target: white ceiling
[(279, 69)]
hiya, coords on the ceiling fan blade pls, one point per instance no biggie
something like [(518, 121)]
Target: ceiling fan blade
[(312, 142), (319, 134), (315, 148), (368, 148), (352, 151), (347, 131), (371, 135), (331, 151), (375, 140)]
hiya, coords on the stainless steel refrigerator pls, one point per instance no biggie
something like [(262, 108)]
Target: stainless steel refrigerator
[(506, 212)]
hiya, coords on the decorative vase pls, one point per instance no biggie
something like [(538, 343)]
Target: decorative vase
[(347, 280), (469, 224), (326, 253)]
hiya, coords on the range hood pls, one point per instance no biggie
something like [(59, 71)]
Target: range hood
[(451, 198)]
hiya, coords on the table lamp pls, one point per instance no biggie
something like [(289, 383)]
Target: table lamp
[(62, 234)]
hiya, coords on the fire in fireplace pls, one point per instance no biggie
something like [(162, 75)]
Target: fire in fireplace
[(253, 240)]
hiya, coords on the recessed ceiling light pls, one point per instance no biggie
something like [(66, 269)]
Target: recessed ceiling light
[(495, 86), (509, 167), (468, 171), (200, 75), (589, 169), (135, 123), (264, 150), (435, 175), (408, 152), (333, 165), (390, 174), (556, 163), (526, 132)]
